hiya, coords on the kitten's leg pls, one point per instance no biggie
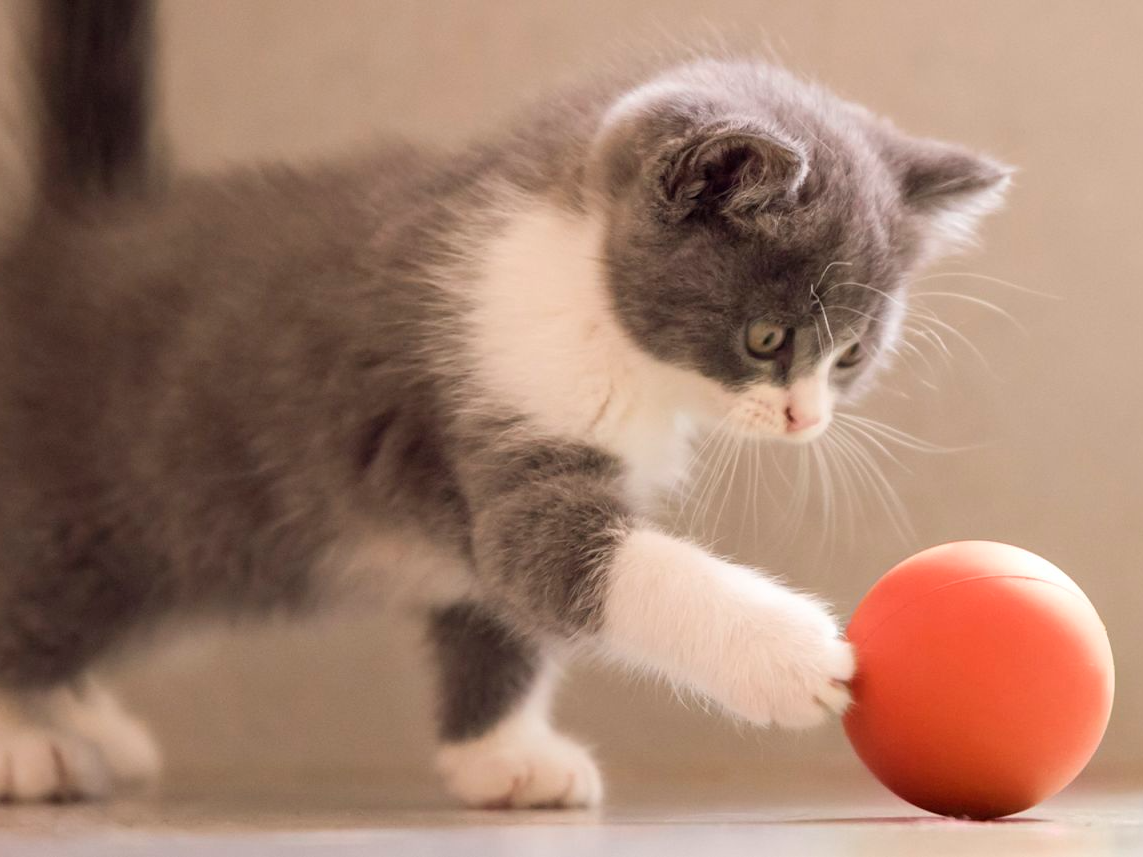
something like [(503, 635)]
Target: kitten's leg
[(498, 748), (557, 544), (68, 742), (768, 654)]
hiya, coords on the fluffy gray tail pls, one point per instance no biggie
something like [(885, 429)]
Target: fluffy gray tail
[(94, 74)]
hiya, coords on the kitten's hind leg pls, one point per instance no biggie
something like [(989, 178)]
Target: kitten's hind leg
[(69, 742), (498, 748)]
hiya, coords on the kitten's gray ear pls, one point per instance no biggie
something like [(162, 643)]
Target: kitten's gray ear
[(733, 169), (949, 187)]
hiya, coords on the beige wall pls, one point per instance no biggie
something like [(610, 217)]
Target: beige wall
[(1053, 87)]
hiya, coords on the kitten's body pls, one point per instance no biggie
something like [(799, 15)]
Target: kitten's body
[(464, 377)]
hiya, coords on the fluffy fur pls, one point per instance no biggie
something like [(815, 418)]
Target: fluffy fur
[(276, 389)]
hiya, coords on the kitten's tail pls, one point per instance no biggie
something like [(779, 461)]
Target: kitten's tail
[(94, 75)]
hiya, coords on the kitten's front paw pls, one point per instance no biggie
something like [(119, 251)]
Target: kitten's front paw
[(513, 769), (764, 652), (786, 663)]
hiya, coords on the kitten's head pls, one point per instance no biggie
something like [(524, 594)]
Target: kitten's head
[(760, 233)]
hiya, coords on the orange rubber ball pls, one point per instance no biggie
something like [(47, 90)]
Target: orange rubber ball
[(984, 680)]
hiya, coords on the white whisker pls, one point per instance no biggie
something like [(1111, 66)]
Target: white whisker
[(905, 343), (720, 457), (847, 487), (729, 481), (901, 437), (988, 279), (979, 302), (968, 342), (884, 490), (882, 292), (873, 439)]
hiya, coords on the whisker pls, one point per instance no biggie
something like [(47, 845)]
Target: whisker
[(792, 505), (829, 333), (749, 506), (803, 492), (894, 508), (818, 284), (818, 331), (882, 292), (905, 343), (847, 489), (697, 486), (930, 336), (718, 454), (902, 437), (968, 342), (779, 470), (979, 302), (719, 482), (728, 484), (817, 299), (873, 439), (826, 483), (855, 311), (686, 485), (860, 480), (989, 279)]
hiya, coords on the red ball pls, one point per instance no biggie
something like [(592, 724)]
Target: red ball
[(984, 680)]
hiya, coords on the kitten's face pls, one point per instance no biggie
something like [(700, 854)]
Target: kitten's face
[(785, 318), (772, 263)]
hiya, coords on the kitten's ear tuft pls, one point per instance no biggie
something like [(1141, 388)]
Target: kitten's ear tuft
[(735, 170), (950, 187)]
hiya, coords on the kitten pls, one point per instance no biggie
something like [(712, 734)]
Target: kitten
[(466, 374)]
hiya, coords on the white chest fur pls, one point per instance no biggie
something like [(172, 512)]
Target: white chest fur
[(546, 342)]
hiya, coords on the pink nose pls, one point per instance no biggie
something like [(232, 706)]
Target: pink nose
[(799, 422)]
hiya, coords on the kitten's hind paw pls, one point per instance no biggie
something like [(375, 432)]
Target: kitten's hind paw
[(70, 743), (515, 768), (38, 764)]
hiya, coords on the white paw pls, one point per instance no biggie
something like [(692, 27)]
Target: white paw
[(520, 768), (789, 665), (762, 651), (67, 744), (126, 745), (39, 764)]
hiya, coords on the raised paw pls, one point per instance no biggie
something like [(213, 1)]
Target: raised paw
[(507, 769), (790, 665), (762, 651)]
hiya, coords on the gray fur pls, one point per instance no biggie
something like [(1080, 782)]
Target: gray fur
[(205, 396), (686, 285), (484, 669), (94, 64)]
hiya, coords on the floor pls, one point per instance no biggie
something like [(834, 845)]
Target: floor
[(694, 819)]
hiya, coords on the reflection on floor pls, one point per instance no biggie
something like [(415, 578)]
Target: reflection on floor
[(225, 819)]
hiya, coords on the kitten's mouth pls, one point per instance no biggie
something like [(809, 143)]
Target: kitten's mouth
[(764, 421), (805, 434)]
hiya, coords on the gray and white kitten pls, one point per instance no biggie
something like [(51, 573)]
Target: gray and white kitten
[(465, 374)]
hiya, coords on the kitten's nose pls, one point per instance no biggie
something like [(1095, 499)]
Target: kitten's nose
[(796, 422)]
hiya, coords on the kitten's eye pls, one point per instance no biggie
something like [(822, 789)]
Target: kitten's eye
[(764, 339), (851, 356)]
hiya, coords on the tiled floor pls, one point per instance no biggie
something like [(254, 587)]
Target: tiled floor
[(692, 819)]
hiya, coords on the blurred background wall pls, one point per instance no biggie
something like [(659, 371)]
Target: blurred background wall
[(1042, 429)]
